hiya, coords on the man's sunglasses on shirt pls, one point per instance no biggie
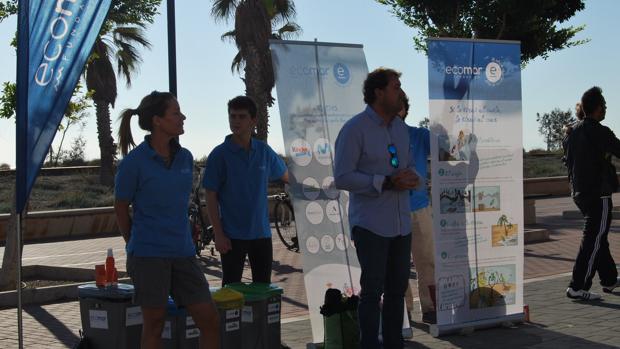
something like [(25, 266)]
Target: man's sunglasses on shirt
[(393, 155)]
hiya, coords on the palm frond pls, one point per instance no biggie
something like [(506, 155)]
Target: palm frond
[(229, 36), (283, 11), (131, 34), (223, 9), (126, 41), (289, 30), (238, 63)]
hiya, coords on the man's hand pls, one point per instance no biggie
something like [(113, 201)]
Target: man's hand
[(405, 179), (222, 243)]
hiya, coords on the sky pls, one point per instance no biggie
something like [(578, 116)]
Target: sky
[(205, 82)]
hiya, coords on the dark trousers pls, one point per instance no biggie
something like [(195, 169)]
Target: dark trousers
[(260, 254), (594, 255), (385, 264)]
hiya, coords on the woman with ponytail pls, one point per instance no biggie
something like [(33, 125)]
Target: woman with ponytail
[(155, 178)]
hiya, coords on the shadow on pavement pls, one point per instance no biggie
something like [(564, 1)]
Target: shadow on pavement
[(527, 335), (551, 256), (55, 326)]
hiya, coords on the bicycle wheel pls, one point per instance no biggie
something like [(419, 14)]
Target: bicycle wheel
[(285, 225), (193, 221)]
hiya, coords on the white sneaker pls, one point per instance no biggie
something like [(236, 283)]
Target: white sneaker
[(582, 295), (610, 289)]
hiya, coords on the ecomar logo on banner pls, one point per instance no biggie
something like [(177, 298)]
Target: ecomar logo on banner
[(342, 74), (493, 72)]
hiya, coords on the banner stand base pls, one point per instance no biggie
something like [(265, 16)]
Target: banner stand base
[(468, 327), (407, 334)]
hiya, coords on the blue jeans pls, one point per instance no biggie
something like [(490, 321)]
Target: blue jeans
[(385, 264)]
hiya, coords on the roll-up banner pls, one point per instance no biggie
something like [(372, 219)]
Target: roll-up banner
[(319, 89), (477, 181)]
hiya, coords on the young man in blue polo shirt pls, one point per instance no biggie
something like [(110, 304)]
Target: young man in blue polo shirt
[(422, 246), (236, 176)]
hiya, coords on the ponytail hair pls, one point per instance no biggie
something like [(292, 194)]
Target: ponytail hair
[(154, 104), (125, 139), (579, 112)]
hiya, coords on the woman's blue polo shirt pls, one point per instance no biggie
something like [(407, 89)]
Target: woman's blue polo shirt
[(159, 196), (240, 179)]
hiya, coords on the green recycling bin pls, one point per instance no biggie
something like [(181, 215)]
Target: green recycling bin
[(109, 317), (229, 303), (260, 317)]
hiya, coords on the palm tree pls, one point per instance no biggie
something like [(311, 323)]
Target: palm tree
[(255, 23), (116, 43)]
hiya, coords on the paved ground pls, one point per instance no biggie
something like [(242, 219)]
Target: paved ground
[(556, 321)]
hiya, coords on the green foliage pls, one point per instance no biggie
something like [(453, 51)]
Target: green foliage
[(7, 8), (533, 22), (140, 12), (424, 123), (8, 100), (552, 126)]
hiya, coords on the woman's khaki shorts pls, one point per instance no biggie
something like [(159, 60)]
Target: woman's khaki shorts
[(154, 278)]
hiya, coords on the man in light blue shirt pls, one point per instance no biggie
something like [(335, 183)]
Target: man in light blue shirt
[(422, 247), (373, 163)]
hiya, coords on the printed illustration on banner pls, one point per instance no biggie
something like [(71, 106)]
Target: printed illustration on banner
[(332, 210), (322, 151), (314, 213), (329, 187), (313, 245), (469, 199), (492, 286), (456, 148), (327, 243), (505, 233), (342, 241), (311, 188), (301, 152), (484, 199), (452, 200)]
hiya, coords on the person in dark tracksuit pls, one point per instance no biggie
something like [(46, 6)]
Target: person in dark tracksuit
[(587, 151)]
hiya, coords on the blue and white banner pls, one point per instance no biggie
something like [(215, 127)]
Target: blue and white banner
[(477, 180), (60, 36), (319, 89)]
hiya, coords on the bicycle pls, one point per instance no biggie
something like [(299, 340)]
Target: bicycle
[(285, 221), (203, 234)]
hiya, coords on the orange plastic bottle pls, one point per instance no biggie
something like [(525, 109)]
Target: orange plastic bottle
[(109, 268)]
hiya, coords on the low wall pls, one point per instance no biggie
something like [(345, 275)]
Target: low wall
[(91, 221), (43, 225)]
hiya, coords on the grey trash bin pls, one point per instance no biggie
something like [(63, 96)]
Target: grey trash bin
[(260, 317), (229, 303), (180, 331), (109, 317)]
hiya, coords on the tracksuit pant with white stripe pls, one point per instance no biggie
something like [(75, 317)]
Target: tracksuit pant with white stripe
[(594, 255)]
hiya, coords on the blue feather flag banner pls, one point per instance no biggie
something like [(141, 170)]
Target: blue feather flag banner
[(55, 38)]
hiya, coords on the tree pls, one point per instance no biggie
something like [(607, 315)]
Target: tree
[(552, 126), (533, 22), (424, 123), (255, 23), (74, 114), (118, 41)]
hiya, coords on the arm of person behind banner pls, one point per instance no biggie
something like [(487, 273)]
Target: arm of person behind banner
[(346, 173)]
